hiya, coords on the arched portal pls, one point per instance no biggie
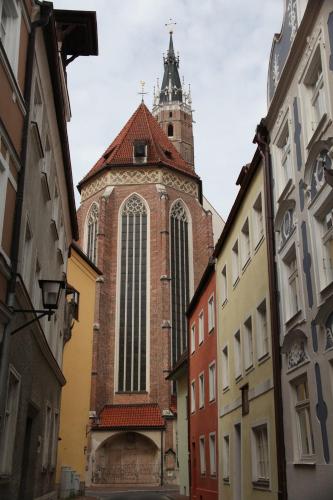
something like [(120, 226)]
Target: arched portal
[(127, 458)]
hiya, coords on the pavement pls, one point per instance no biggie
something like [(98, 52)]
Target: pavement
[(163, 493)]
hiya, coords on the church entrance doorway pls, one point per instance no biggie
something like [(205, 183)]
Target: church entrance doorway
[(127, 458)]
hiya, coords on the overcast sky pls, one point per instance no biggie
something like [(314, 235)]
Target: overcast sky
[(224, 48)]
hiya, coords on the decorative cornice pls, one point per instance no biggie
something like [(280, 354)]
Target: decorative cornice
[(158, 176)]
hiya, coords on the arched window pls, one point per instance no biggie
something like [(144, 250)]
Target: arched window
[(92, 227), (170, 130), (179, 267), (133, 296)]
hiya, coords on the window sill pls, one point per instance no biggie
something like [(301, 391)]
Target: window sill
[(200, 342), (293, 368), (304, 464), (249, 369), (224, 303), (260, 485), (292, 318), (324, 121), (225, 389), (211, 330), (5, 478), (235, 283), (258, 245), (202, 407), (213, 400), (226, 481), (263, 358), (246, 264), (286, 190), (238, 378)]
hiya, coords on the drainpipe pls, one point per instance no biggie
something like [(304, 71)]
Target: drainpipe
[(262, 139), (4, 354), (162, 472)]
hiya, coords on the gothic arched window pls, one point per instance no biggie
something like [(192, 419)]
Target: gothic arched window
[(170, 130), (179, 267), (92, 226), (133, 296)]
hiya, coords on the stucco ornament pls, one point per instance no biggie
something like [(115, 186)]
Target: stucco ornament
[(322, 162), (296, 354), (276, 70), (292, 19), (287, 226), (329, 332)]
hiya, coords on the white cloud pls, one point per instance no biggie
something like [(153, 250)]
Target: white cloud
[(224, 50)]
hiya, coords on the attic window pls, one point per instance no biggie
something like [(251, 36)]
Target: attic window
[(170, 130), (140, 149), (170, 114), (168, 153)]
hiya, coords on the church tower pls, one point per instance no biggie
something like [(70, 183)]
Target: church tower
[(142, 223), (173, 107)]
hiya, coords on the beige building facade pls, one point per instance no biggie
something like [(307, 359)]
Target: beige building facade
[(246, 417)]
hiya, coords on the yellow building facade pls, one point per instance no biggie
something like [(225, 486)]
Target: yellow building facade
[(247, 439), (77, 366)]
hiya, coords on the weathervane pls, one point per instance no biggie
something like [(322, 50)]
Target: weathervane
[(170, 25), (142, 93)]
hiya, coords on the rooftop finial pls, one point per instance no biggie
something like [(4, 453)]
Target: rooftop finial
[(142, 93), (170, 25)]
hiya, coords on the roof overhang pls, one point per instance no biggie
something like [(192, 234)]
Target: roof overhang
[(77, 31)]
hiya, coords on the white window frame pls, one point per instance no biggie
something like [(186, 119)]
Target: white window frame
[(260, 454), (303, 406), (224, 285), (225, 367), (258, 220), (226, 458), (11, 42), (193, 405), (212, 453), (245, 243), (9, 425), (201, 327), (211, 313), (292, 301), (47, 437), (54, 441), (201, 382), (248, 343), (202, 455), (263, 331), (212, 381), (238, 355), (321, 232), (235, 263), (5, 177), (192, 338)]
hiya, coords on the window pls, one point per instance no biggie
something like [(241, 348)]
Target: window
[(9, 424), (10, 17), (324, 225), (284, 150), (211, 314), (180, 274), (245, 399), (224, 290), (226, 459), (212, 454), (201, 327), (212, 382), (201, 390), (235, 264), (304, 428), (192, 396), (238, 355), (262, 330), (202, 455), (315, 92), (225, 368), (37, 108), (293, 300), (248, 344), (54, 443), (245, 242), (92, 230), (258, 222), (260, 457), (27, 265), (170, 130), (47, 436), (140, 151), (193, 338), (132, 323)]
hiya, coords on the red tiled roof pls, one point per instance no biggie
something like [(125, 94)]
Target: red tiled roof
[(131, 415), (141, 125)]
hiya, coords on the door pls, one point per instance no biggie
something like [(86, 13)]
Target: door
[(237, 473)]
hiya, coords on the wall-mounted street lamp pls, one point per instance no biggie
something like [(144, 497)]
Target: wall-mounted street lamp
[(51, 291)]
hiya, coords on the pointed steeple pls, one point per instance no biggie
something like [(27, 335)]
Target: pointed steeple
[(171, 90)]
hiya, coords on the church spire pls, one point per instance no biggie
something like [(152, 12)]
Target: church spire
[(171, 90), (172, 106)]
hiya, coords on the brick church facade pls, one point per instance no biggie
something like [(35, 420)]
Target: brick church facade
[(142, 222)]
